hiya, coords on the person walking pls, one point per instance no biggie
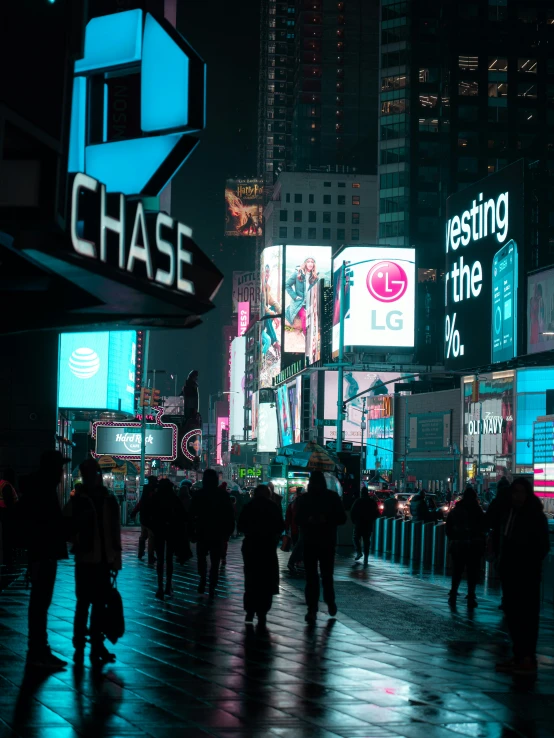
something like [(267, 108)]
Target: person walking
[(390, 506), (364, 513), (291, 524), (496, 514), (145, 533), (465, 530), (45, 538), (95, 517), (165, 516), (262, 523), (524, 544), (212, 521), (320, 511), (419, 508)]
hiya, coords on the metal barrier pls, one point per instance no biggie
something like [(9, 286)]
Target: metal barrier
[(388, 523), (427, 542), (397, 528), (440, 546), (406, 547), (417, 537)]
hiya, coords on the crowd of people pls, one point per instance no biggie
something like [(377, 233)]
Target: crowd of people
[(512, 535)]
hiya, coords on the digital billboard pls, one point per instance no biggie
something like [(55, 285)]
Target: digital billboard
[(124, 440), (96, 371), (295, 404), (243, 207), (354, 383), (284, 416), (314, 307), (484, 248), (540, 311), (254, 415), (379, 297), (243, 318), (270, 295), (236, 398), (268, 436), (246, 288), (531, 386), (304, 265), (489, 424), (430, 431)]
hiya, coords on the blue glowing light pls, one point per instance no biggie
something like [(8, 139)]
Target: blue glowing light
[(112, 41)]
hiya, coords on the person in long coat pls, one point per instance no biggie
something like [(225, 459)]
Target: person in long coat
[(262, 523)]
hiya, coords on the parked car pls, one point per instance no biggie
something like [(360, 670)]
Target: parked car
[(403, 506)]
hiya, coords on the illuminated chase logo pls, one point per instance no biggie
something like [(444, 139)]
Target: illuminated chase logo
[(137, 93), (84, 363)]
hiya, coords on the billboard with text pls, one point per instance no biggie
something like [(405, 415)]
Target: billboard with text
[(243, 207)]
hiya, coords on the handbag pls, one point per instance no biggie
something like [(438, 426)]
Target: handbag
[(286, 543), (114, 619)]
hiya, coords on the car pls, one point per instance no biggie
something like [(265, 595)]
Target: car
[(403, 506), (434, 503)]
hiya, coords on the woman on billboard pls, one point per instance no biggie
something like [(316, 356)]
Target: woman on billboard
[(270, 305), (297, 286)]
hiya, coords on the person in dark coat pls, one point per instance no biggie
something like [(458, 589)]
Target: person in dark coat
[(524, 544), (165, 516), (146, 533), (390, 506), (262, 523), (212, 521), (419, 508), (319, 513), (364, 513), (496, 513), (45, 537), (465, 530)]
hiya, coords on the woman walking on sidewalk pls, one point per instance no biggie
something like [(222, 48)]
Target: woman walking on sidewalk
[(262, 523)]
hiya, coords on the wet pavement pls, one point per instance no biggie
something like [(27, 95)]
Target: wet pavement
[(395, 662)]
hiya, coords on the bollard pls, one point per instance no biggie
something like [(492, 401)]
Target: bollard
[(397, 528), (427, 542), (406, 539), (417, 535), (389, 522), (379, 534), (439, 545)]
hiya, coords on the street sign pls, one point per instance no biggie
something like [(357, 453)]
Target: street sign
[(324, 423), (346, 445)]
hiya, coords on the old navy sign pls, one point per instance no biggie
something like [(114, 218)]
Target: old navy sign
[(110, 228)]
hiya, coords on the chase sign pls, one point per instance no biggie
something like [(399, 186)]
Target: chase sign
[(166, 80)]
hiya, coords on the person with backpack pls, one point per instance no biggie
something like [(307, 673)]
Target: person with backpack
[(320, 511), (364, 513), (146, 535), (291, 525), (465, 530)]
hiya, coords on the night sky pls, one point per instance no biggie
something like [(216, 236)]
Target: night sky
[(227, 37)]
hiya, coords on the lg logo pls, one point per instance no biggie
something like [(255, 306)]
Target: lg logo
[(387, 282)]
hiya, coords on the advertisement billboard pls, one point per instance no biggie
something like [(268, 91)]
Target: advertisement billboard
[(379, 297), (489, 424), (540, 311), (531, 386), (254, 416), (484, 250), (243, 207), (284, 416), (236, 398), (268, 436), (243, 318), (96, 371), (123, 440), (304, 265), (354, 383), (222, 438), (246, 288), (314, 307), (430, 431), (295, 404), (270, 295)]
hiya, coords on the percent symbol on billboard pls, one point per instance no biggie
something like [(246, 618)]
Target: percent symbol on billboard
[(453, 338)]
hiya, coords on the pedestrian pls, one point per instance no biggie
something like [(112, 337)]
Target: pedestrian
[(418, 507), (45, 537), (212, 521), (262, 523), (275, 496), (291, 524), (390, 506), (465, 530), (524, 544), (497, 512), (448, 496), (95, 520), (145, 533), (184, 494), (225, 547), (320, 511), (364, 513)]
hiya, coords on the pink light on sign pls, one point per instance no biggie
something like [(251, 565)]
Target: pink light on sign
[(387, 281), (244, 318)]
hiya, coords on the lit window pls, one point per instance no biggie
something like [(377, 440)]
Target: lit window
[(355, 199), (468, 63), (526, 90), (355, 218), (527, 65), (498, 89), (497, 64), (468, 88), (356, 185)]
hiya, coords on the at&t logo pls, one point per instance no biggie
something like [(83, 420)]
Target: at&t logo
[(84, 363)]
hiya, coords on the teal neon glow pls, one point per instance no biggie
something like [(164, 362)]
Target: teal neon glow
[(128, 165), (164, 80), (112, 41), (76, 160)]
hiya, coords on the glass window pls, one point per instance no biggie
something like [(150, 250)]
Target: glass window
[(326, 199), (498, 10), (283, 232), (341, 217), (311, 233), (355, 234), (340, 234), (468, 87), (355, 199), (393, 107), (393, 179), (311, 199), (527, 15), (468, 164), (391, 230), (393, 58), (468, 62), (355, 218), (287, 197), (394, 156), (312, 216), (341, 199), (527, 65), (467, 139), (468, 113), (326, 234), (428, 101), (428, 74), (428, 200), (398, 82), (298, 232), (326, 217), (498, 89), (527, 115), (526, 90), (283, 215), (341, 184), (356, 185), (269, 166), (297, 198), (298, 216), (326, 184), (427, 224), (498, 64), (393, 11)]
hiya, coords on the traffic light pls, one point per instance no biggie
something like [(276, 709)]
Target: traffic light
[(155, 397), (145, 396)]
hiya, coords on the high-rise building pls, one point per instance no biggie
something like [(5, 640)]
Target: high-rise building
[(465, 89)]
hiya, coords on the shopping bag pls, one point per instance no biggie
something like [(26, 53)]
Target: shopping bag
[(114, 619)]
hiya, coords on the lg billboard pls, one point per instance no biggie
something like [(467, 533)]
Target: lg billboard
[(379, 297), (96, 371), (484, 247)]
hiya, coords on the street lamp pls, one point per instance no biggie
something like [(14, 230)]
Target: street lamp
[(174, 377)]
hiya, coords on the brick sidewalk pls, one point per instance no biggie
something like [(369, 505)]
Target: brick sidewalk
[(396, 662)]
